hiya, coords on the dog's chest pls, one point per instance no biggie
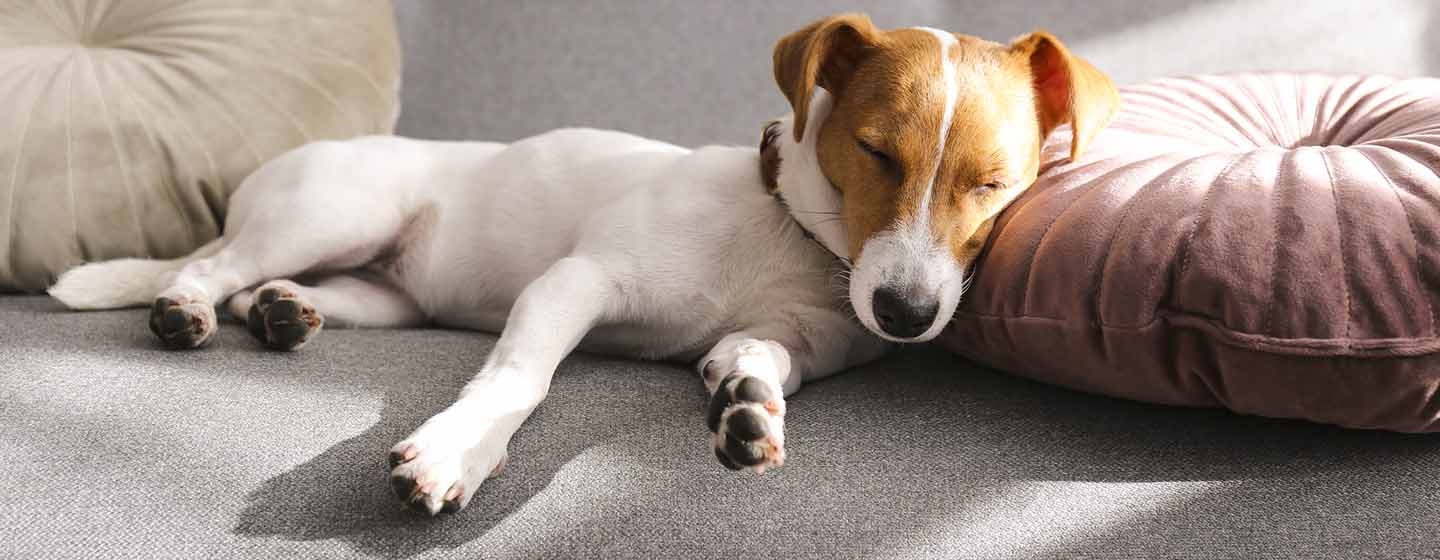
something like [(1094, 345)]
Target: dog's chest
[(716, 263)]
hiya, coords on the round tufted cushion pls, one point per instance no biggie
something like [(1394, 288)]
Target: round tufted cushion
[(128, 123), (1268, 243)]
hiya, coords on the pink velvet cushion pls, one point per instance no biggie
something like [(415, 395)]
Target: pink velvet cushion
[(1266, 243)]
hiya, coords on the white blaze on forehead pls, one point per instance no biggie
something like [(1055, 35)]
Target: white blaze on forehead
[(952, 92), (907, 257)]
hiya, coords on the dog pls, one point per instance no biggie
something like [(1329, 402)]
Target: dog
[(901, 148)]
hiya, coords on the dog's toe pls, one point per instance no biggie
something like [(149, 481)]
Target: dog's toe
[(290, 323), (453, 499), (403, 453), (746, 420), (404, 486), (182, 325), (433, 480), (414, 492), (281, 319)]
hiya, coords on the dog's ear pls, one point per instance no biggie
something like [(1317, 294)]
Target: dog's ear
[(824, 53), (1067, 90)]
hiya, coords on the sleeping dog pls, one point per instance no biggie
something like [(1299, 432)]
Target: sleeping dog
[(901, 148)]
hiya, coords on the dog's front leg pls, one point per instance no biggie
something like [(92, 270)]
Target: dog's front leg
[(439, 466), (749, 374)]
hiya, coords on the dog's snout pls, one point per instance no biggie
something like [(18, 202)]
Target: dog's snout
[(903, 317)]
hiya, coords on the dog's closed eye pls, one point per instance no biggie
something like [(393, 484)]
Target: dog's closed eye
[(884, 159)]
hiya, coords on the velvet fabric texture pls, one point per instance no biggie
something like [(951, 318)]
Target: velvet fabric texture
[(129, 122), (1264, 242)]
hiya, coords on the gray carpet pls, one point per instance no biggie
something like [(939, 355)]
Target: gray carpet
[(118, 449)]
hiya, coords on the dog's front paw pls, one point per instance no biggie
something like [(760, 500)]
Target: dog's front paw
[(181, 322), (281, 318), (746, 417), (438, 468)]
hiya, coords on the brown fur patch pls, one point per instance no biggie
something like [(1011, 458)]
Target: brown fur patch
[(880, 143)]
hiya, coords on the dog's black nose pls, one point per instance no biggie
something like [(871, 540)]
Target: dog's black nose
[(903, 317)]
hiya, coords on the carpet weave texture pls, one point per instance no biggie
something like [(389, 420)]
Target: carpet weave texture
[(116, 449)]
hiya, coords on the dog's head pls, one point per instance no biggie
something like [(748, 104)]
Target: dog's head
[(923, 138)]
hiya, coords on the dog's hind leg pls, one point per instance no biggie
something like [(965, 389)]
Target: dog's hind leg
[(439, 466), (183, 315), (284, 315), (312, 209)]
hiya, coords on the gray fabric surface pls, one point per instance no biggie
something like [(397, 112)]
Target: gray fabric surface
[(115, 448)]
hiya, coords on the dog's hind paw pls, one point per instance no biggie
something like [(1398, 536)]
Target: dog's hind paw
[(281, 318), (181, 323), (746, 420)]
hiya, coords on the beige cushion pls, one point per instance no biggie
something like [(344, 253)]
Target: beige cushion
[(128, 123)]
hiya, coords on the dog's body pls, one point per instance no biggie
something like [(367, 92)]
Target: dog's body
[(624, 245), (600, 239), (683, 244)]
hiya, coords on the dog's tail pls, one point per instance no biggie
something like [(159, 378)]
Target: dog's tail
[(122, 282)]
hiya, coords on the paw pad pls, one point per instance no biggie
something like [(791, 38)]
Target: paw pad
[(744, 416), (181, 324), (281, 319)]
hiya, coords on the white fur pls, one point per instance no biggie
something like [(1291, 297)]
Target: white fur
[(813, 201), (121, 282), (908, 256), (952, 91), (586, 238)]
